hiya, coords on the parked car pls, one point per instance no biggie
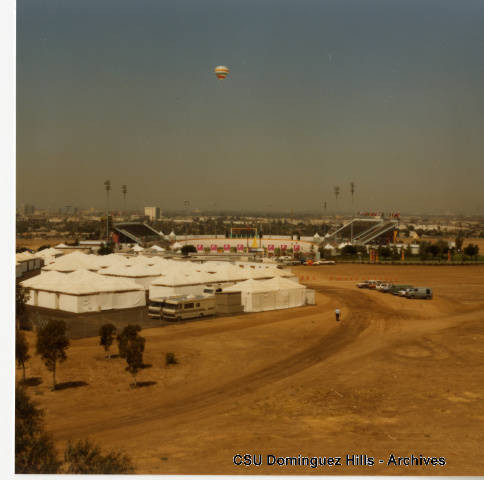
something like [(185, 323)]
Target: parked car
[(372, 284), (397, 288), (384, 287), (363, 284), (420, 292)]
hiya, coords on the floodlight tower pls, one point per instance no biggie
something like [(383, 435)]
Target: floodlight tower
[(352, 190), (336, 194), (107, 187), (124, 190)]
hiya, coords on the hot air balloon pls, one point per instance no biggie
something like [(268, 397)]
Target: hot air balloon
[(221, 71)]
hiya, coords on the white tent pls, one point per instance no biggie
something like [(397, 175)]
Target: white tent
[(83, 291), (273, 294), (157, 248), (137, 248), (28, 261), (49, 255), (74, 261), (142, 274), (175, 282), (172, 236), (106, 261)]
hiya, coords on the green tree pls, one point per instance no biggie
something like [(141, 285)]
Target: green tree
[(34, 448), (433, 249), (459, 241), (424, 250), (21, 350), (105, 249), (385, 252), (129, 332), (348, 251), (134, 355), (22, 296), (186, 249), (52, 344), (84, 457), (107, 334), (471, 250)]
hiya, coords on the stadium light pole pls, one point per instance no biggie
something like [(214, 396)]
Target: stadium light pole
[(124, 189), (352, 190), (107, 186), (336, 194)]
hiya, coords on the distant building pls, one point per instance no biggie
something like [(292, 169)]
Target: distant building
[(153, 213), (29, 209)]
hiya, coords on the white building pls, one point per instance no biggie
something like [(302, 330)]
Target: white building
[(153, 213)]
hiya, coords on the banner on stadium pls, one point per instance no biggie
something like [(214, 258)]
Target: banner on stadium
[(240, 247), (213, 248), (283, 247), (200, 248), (270, 248), (227, 247), (297, 248)]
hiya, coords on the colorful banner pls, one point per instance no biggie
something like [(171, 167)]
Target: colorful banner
[(213, 248), (270, 248), (283, 247), (227, 247), (297, 248), (200, 248), (240, 247)]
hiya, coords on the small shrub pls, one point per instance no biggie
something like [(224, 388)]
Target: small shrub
[(171, 359)]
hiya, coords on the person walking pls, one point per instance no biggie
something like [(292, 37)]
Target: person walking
[(338, 313)]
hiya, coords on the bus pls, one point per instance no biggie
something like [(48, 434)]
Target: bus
[(183, 308)]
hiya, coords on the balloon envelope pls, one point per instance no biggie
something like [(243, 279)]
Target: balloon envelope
[(221, 71)]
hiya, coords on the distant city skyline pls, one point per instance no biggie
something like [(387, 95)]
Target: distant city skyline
[(388, 95)]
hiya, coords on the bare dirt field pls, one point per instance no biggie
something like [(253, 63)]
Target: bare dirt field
[(395, 376)]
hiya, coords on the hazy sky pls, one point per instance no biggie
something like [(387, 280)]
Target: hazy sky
[(386, 93)]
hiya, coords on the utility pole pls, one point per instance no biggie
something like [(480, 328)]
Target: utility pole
[(107, 186)]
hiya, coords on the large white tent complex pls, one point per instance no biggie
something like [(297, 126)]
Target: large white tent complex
[(74, 261), (83, 291), (167, 277), (142, 274), (175, 282), (276, 293)]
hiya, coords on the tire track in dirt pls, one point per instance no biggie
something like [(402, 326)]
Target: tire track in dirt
[(199, 405)]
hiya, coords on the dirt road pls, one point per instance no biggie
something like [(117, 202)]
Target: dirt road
[(394, 376)]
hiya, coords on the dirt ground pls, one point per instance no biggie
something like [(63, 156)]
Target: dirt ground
[(395, 376)]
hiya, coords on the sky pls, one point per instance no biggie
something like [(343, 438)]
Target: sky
[(388, 94)]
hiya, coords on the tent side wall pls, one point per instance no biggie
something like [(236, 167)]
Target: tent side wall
[(129, 299), (162, 291), (69, 303)]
